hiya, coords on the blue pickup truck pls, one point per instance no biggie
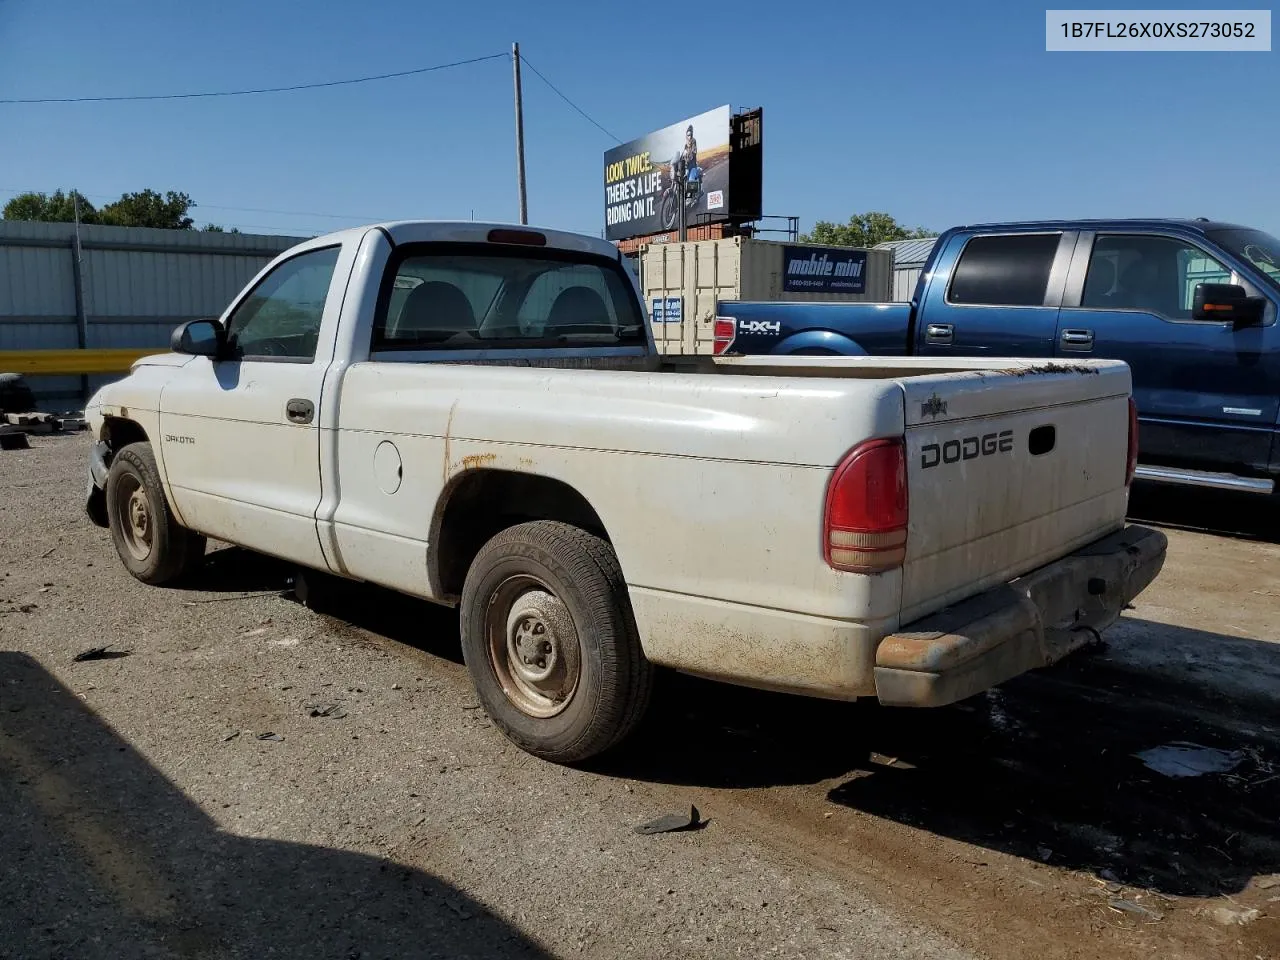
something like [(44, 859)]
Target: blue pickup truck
[(1190, 305)]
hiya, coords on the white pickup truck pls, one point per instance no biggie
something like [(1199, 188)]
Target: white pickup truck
[(475, 414)]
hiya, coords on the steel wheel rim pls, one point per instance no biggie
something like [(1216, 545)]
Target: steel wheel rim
[(533, 646), (137, 525)]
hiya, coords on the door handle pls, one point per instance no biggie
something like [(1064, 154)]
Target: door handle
[(299, 410), (943, 334), (1077, 340)]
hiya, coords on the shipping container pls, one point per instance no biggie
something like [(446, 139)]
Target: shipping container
[(683, 282)]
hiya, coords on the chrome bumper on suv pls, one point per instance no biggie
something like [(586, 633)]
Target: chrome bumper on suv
[(1030, 622)]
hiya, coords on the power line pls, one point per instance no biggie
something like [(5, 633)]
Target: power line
[(257, 90), (586, 116)]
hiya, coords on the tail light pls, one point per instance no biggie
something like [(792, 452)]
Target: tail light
[(1132, 465), (725, 331), (864, 526), (530, 238)]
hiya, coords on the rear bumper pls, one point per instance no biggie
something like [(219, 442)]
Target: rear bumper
[(1030, 622)]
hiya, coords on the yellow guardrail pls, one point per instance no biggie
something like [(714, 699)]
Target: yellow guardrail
[(64, 362)]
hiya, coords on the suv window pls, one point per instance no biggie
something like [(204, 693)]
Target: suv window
[(1005, 271), (281, 315), (478, 297), (1153, 274)]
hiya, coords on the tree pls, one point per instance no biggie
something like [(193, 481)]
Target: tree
[(863, 230), (212, 228), (57, 207), (147, 208)]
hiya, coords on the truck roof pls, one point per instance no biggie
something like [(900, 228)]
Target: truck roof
[(470, 231), (1195, 224)]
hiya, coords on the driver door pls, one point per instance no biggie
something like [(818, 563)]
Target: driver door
[(239, 435)]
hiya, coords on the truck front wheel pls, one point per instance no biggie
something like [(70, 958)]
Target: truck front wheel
[(550, 642), (152, 545)]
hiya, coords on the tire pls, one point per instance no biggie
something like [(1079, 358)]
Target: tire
[(151, 543), (555, 590), (15, 395), (668, 210)]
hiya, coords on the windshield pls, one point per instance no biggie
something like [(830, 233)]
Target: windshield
[(1260, 249)]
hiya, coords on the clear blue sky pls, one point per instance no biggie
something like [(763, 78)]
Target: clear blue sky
[(935, 112)]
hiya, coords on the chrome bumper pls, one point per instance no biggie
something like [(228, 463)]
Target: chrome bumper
[(1030, 622)]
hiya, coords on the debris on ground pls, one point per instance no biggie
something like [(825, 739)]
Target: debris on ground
[(1237, 918), (673, 823), (98, 653), (242, 596), (1121, 905), (1266, 883), (1183, 759), (274, 737), (33, 421), (334, 711)]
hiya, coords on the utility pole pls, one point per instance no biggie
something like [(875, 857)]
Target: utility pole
[(77, 279), (515, 66)]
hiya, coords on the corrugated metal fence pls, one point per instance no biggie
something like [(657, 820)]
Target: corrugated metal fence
[(128, 287)]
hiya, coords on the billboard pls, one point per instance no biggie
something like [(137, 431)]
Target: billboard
[(823, 270), (641, 195)]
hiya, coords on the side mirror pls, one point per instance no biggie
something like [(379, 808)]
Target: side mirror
[(1227, 301), (200, 338)]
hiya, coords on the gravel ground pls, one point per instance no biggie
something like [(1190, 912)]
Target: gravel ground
[(180, 799)]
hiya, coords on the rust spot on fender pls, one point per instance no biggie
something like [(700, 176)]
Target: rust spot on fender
[(448, 430), (477, 460)]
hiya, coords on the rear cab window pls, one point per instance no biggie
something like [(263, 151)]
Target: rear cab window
[(1007, 270), (453, 297)]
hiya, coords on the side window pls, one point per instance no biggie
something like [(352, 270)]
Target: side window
[(1152, 274), (1005, 271), (281, 316)]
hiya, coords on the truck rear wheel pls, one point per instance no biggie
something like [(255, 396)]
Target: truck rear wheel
[(550, 642), (152, 545)]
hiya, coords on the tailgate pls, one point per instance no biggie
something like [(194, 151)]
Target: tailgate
[(1008, 470)]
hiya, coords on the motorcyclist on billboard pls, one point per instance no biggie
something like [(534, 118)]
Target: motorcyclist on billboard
[(685, 165)]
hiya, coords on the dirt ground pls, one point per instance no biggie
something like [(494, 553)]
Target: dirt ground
[(242, 776)]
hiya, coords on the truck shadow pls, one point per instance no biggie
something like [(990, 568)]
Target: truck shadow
[(346, 606), (1241, 515), (1043, 768), (104, 857)]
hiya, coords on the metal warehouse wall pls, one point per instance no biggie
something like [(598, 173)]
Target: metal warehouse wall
[(909, 258), (131, 287)]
